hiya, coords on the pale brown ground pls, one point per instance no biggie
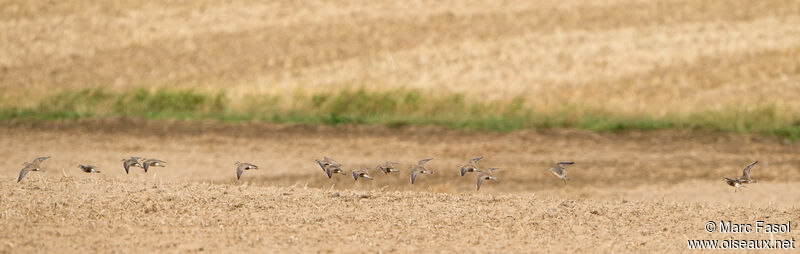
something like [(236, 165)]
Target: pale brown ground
[(630, 192), (677, 56)]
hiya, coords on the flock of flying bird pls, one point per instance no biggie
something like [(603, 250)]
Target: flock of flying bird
[(331, 167)]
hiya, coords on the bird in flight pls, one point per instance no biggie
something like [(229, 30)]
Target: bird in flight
[(486, 175), (363, 172), (420, 169), (152, 163), (745, 178), (388, 167), (472, 166), (34, 165), (330, 167), (559, 171), (131, 162), (242, 166), (88, 168)]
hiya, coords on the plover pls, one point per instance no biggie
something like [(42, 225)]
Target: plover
[(739, 182), (472, 166), (334, 170), (132, 161), (363, 172), (147, 163), (88, 168), (327, 162), (34, 165), (330, 167), (387, 167), (420, 169), (559, 171), (241, 167), (486, 175)]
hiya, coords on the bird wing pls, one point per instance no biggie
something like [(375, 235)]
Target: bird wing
[(39, 160), (321, 164), (383, 169), (413, 176), (145, 166), (355, 175), (463, 171), (480, 181), (564, 163), (22, 174), (328, 171), (422, 162), (127, 165), (746, 171), (476, 160), (239, 171)]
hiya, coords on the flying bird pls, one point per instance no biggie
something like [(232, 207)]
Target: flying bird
[(88, 168), (745, 178), (388, 167), (363, 172), (34, 165), (242, 166), (131, 162), (486, 175), (327, 162), (559, 171), (472, 166), (420, 169), (152, 163), (330, 167), (334, 170)]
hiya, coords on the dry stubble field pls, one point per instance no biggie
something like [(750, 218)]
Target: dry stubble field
[(630, 192)]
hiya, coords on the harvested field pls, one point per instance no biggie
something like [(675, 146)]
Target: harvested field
[(630, 192), (624, 55), (655, 101)]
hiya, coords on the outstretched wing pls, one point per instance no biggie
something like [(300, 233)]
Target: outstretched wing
[(413, 176), (476, 160), (145, 166), (239, 171), (127, 165), (355, 175), (321, 164), (422, 162), (463, 171), (328, 171), (22, 174), (39, 160), (564, 163), (480, 181), (746, 171)]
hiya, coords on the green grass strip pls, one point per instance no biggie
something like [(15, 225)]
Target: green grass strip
[(394, 108)]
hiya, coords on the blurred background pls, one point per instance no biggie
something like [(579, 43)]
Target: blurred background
[(491, 65)]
